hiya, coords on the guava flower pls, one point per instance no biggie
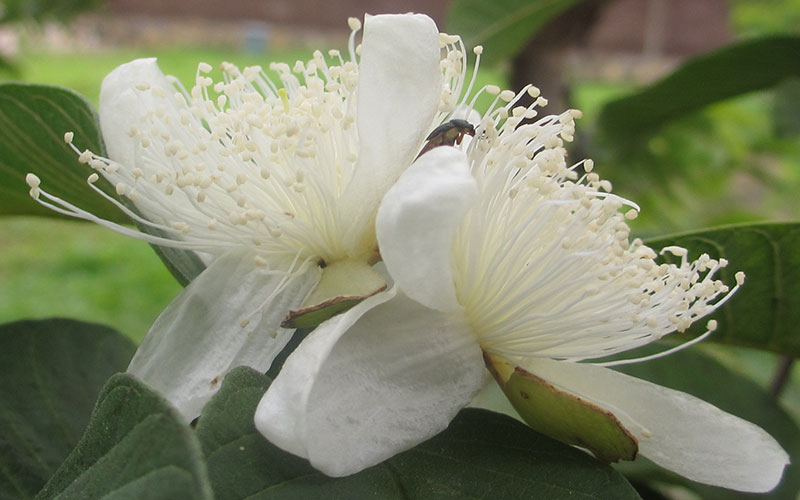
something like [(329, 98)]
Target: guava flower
[(273, 179), (505, 256)]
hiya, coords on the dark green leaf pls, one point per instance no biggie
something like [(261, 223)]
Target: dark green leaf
[(34, 119), (135, 446), (482, 455), (503, 26), (700, 375), (734, 70), (52, 371), (765, 312)]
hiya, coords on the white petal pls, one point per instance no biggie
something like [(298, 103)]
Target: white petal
[(122, 105), (399, 88), (491, 397), (417, 222), (676, 430), (228, 316), (370, 383)]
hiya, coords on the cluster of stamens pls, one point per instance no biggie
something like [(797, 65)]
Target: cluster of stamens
[(543, 264), (249, 161)]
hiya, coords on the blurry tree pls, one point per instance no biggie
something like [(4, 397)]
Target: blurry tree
[(544, 58)]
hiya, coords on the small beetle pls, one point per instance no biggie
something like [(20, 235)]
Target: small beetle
[(448, 134)]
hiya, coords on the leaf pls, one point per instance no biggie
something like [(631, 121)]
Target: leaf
[(53, 10), (52, 372), (734, 70), (503, 26), (136, 446), (481, 455), (702, 376), (765, 312), (34, 119)]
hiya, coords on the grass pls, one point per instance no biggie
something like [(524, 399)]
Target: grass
[(52, 267)]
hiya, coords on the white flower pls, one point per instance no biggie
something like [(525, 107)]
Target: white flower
[(269, 177), (500, 247)]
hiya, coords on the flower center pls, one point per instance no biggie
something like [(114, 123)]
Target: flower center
[(253, 162)]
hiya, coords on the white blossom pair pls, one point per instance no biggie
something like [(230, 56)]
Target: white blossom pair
[(499, 252)]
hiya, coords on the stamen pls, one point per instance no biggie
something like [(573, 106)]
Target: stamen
[(543, 266), (478, 50), (218, 166), (355, 27), (712, 326)]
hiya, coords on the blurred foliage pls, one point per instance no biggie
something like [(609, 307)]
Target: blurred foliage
[(763, 17), (734, 70), (721, 165), (44, 10)]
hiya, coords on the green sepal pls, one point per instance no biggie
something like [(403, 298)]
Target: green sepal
[(343, 284), (562, 415)]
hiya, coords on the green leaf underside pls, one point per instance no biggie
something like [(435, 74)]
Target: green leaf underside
[(765, 312), (562, 415), (503, 26), (52, 371), (702, 376), (734, 70), (343, 284), (34, 119), (482, 455), (135, 447)]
